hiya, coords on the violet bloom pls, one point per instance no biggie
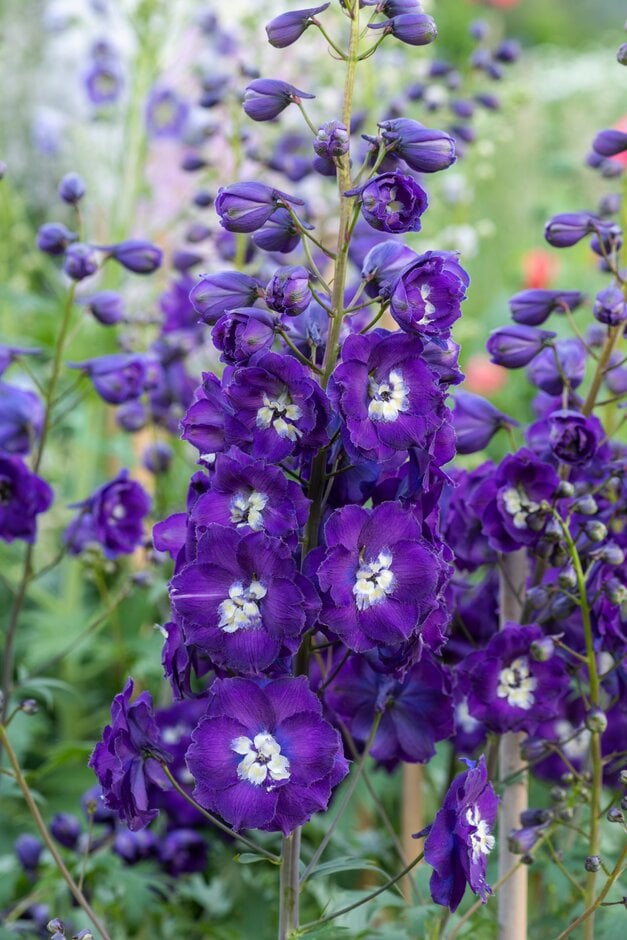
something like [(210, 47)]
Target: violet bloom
[(461, 525), (119, 377), (573, 437), (609, 142), (134, 847), (286, 28), (54, 238), (137, 255), (127, 760), (28, 851), (506, 688), (428, 294), (103, 82), (265, 758), (215, 294), (23, 495), (392, 202), (476, 421), (382, 266), (422, 148), (183, 851), (265, 98), (547, 375), (533, 307), (379, 575), (415, 29), (277, 409), (112, 517), (511, 502), (241, 601), (166, 113), (279, 234), (21, 419), (386, 394), (242, 333), (460, 838), (245, 207), (288, 291), (10, 354), (176, 724), (249, 494), (332, 140), (610, 306), (565, 230), (515, 346), (80, 261), (106, 306), (416, 711)]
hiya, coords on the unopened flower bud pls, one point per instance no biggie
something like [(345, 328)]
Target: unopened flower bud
[(537, 597), (55, 926), (533, 748), (558, 795), (586, 506), (567, 578), (621, 55), (71, 188), (614, 815), (566, 814), (527, 859), (623, 802), (542, 649), (567, 779), (592, 863), (565, 490), (595, 530), (535, 817), (29, 706), (623, 777), (596, 720), (612, 554), (85, 934), (332, 140), (553, 530)]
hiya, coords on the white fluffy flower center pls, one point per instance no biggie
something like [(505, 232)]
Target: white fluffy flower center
[(280, 413), (425, 290), (516, 684), (240, 610), (374, 581), (481, 840), (519, 506), (247, 509), (574, 746), (388, 399), (262, 759)]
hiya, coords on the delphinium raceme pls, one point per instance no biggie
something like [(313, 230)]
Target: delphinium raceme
[(548, 521), (310, 573)]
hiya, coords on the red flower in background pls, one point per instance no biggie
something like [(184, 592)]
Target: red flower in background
[(540, 268), (621, 126)]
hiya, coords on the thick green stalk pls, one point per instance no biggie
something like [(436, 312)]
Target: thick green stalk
[(47, 839), (290, 865)]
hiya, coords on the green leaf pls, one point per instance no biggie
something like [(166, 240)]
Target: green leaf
[(345, 863), (249, 858)]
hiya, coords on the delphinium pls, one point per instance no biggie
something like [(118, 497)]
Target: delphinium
[(308, 597)]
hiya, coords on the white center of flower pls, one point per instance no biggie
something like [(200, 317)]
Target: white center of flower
[(574, 746), (118, 511), (519, 506), (240, 610), (262, 761), (388, 399), (374, 581), (247, 509), (516, 684), (481, 840), (463, 718), (280, 414), (425, 290)]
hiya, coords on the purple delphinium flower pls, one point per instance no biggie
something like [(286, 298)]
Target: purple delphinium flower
[(250, 494), (242, 333), (279, 234), (547, 375), (288, 291), (286, 28), (176, 724), (368, 573), (183, 851), (610, 306), (9, 354), (277, 409), (21, 419), (461, 526), (112, 517), (416, 710), (119, 377), (573, 437), (460, 838), (422, 148), (386, 394), (215, 294), (54, 238), (265, 98), (332, 140), (515, 346), (383, 264), (106, 306), (80, 262), (506, 688), (428, 293), (241, 601), (610, 142), (510, 501), (532, 307), (137, 255), (566, 229), (415, 29), (28, 851), (126, 761), (476, 421), (23, 495), (103, 82), (166, 113), (245, 207), (66, 829), (134, 847), (71, 188), (265, 758), (392, 202)]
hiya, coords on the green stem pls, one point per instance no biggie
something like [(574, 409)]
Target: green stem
[(305, 361), (613, 335), (587, 915), (289, 910), (47, 839), (475, 907), (329, 40), (216, 822), (369, 897)]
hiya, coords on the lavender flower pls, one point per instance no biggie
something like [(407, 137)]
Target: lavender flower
[(610, 306), (126, 761), (332, 140), (460, 838), (422, 148), (265, 758), (23, 495), (111, 517), (166, 113), (516, 346), (72, 188), (428, 294), (80, 261), (533, 307), (265, 98), (392, 203), (286, 28), (215, 294), (288, 291), (136, 255), (245, 207), (119, 377), (243, 333), (415, 29), (476, 421), (383, 264), (566, 360), (573, 437)]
